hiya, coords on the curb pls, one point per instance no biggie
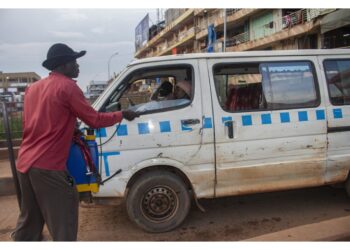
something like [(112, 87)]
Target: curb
[(7, 186), (15, 143), (4, 155)]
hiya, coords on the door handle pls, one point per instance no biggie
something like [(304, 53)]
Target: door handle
[(190, 122), (229, 125)]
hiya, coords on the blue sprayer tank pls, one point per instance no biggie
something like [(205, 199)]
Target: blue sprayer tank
[(77, 166)]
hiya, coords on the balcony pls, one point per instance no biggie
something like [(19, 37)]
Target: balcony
[(233, 16), (295, 18), (218, 47), (289, 26), (181, 39), (286, 22), (230, 12), (238, 39)]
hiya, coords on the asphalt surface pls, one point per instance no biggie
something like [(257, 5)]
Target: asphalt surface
[(313, 214)]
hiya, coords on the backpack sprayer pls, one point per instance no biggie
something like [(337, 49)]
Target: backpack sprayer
[(83, 162)]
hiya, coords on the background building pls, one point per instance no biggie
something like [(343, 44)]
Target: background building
[(13, 85), (94, 89), (202, 30), (17, 82)]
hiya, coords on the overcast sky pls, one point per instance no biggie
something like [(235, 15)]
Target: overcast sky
[(27, 34)]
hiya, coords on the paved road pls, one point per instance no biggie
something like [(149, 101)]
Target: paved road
[(225, 219)]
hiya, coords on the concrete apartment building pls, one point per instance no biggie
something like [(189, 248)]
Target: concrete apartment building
[(200, 30), (13, 85), (17, 82)]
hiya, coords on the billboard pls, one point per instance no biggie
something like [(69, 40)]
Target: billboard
[(141, 33)]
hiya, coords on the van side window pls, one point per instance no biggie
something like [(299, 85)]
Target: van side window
[(265, 86), (153, 89), (289, 85), (239, 87), (338, 81)]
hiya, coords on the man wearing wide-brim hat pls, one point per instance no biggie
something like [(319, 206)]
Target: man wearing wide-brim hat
[(51, 107)]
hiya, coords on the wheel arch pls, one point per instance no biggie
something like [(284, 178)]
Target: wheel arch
[(167, 168)]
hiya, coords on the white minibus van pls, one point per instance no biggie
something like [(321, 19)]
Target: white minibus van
[(223, 124)]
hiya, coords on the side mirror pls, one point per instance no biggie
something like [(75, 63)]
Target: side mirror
[(112, 107)]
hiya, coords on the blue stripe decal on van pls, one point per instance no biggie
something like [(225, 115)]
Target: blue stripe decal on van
[(207, 123), (165, 126), (247, 120), (226, 119), (105, 160), (101, 132), (337, 113), (266, 119), (122, 130), (284, 116), (302, 115), (320, 114), (143, 128), (185, 128)]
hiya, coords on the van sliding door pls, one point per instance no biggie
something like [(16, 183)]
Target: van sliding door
[(270, 125)]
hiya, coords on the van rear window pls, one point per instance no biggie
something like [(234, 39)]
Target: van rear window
[(266, 86), (338, 81)]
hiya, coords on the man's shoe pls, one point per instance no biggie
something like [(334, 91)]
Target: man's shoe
[(12, 235)]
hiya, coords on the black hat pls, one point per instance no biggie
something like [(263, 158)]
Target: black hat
[(60, 54)]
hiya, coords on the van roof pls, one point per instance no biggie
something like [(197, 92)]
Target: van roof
[(266, 53)]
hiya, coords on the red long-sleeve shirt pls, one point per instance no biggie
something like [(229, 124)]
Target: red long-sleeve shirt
[(51, 106)]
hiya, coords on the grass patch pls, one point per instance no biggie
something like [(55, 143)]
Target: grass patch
[(15, 122)]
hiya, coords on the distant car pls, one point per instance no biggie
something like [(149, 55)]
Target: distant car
[(6, 97), (14, 102)]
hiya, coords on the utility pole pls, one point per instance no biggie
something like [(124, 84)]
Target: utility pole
[(109, 62), (225, 22), (158, 20)]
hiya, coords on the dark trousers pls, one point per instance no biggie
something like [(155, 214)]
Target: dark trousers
[(47, 197)]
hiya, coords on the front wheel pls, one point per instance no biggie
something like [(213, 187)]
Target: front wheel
[(158, 201)]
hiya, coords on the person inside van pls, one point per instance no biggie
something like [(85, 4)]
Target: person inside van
[(183, 90), (181, 96), (163, 92)]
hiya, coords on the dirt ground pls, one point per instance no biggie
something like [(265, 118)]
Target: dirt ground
[(225, 219)]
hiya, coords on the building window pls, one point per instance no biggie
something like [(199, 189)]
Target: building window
[(338, 38)]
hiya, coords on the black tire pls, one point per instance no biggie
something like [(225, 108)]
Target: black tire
[(158, 201)]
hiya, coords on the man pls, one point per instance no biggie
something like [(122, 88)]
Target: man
[(163, 92), (183, 90), (51, 107), (181, 96)]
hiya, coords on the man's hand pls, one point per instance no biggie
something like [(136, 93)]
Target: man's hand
[(129, 115)]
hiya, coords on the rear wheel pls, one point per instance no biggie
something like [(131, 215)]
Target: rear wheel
[(158, 201)]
